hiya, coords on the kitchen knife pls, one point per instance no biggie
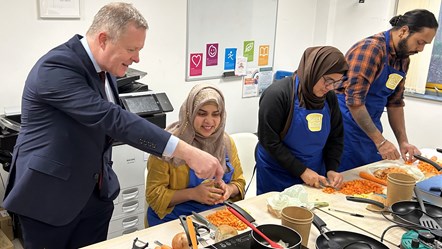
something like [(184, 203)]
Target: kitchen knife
[(346, 212), (201, 219), (241, 211)]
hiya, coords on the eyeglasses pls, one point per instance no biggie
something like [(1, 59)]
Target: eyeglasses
[(335, 83)]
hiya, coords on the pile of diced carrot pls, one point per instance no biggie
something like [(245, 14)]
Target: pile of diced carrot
[(225, 217), (358, 186)]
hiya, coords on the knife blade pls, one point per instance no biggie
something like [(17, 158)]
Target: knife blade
[(346, 212), (203, 221)]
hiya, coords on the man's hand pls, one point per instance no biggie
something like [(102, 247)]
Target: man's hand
[(388, 151), (407, 152), (205, 165)]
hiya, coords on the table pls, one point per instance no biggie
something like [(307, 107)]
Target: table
[(257, 207)]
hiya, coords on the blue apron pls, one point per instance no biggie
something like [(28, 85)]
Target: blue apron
[(359, 149), (305, 138), (187, 207)]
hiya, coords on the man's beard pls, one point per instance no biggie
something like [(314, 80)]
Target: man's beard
[(402, 49)]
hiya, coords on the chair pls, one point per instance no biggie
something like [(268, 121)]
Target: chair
[(282, 74), (245, 143)]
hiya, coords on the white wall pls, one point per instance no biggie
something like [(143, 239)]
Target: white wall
[(300, 24)]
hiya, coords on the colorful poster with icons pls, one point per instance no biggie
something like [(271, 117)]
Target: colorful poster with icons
[(230, 59), (263, 58), (196, 65), (249, 50), (212, 54)]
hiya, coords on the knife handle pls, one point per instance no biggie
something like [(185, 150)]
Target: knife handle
[(240, 210), (183, 221), (192, 233)]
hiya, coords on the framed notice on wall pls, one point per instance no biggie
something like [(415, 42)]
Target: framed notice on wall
[(59, 8)]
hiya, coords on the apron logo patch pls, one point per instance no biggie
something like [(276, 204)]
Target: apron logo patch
[(314, 121), (393, 81)]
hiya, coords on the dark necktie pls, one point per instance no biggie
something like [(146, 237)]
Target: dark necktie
[(102, 76)]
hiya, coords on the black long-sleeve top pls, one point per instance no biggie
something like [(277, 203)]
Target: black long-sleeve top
[(275, 117)]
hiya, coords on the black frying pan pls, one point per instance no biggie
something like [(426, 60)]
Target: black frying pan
[(406, 211), (345, 239)]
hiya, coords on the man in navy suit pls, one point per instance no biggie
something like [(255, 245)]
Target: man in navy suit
[(61, 184)]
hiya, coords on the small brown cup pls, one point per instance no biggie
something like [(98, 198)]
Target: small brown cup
[(298, 218), (399, 187)]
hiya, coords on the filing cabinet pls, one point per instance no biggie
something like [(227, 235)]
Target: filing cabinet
[(129, 210)]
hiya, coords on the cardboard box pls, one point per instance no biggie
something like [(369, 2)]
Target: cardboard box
[(6, 224), (5, 243)]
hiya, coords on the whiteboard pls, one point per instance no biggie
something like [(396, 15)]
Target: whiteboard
[(217, 26)]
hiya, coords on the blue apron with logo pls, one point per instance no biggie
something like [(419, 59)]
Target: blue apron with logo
[(305, 138), (187, 207), (359, 149)]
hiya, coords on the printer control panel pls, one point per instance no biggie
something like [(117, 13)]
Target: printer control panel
[(146, 103)]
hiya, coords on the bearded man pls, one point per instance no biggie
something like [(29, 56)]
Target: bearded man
[(376, 79)]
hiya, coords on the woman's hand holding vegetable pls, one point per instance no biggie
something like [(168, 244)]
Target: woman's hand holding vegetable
[(230, 190), (207, 193), (313, 179), (335, 179)]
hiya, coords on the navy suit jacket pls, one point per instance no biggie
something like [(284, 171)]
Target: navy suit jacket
[(62, 143)]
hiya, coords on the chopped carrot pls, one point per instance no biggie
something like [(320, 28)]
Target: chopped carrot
[(427, 168), (358, 186), (329, 190), (372, 178), (225, 217)]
